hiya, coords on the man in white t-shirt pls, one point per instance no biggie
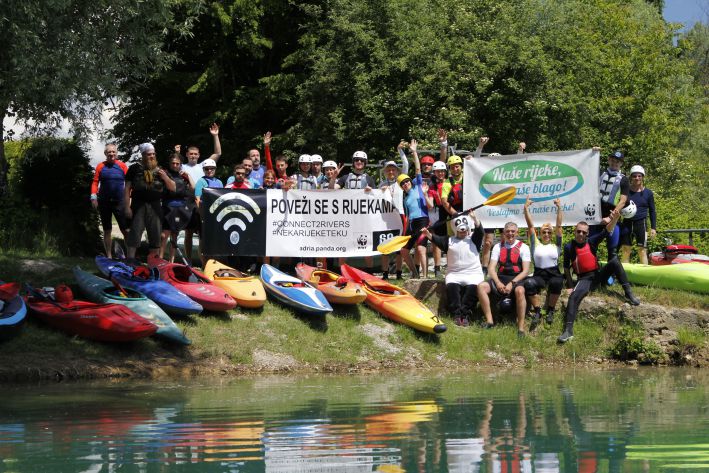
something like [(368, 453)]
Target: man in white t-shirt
[(508, 267)]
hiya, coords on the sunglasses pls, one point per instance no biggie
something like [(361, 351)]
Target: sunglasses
[(239, 173), (358, 160), (210, 169), (546, 231), (582, 232), (406, 181)]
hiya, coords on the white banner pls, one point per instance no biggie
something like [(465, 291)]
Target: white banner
[(571, 176), (340, 223)]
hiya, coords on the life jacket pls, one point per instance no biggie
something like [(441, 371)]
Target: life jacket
[(140, 184), (585, 261), (356, 181), (609, 186), (455, 197), (510, 259), (306, 183)]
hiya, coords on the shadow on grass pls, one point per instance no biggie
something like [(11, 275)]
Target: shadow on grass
[(430, 338), (315, 322), (351, 312)]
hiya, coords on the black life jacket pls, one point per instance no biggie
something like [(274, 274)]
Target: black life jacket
[(510, 260)]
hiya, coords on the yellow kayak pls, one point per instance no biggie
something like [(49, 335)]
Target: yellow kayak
[(246, 290)]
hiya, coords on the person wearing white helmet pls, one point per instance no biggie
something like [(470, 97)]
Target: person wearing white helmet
[(316, 163), (388, 183), (464, 269), (357, 178), (438, 179), (209, 166), (304, 180), (636, 226)]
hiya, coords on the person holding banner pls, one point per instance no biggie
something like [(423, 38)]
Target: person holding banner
[(416, 203), (506, 282), (440, 227), (304, 180), (580, 254), (464, 269), (357, 178), (546, 255), (388, 183)]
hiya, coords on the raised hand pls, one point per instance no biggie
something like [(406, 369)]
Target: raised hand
[(413, 145), (557, 202), (214, 129), (483, 140), (267, 138), (178, 149), (442, 135), (528, 202)]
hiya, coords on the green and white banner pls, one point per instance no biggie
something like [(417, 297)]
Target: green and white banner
[(571, 176)]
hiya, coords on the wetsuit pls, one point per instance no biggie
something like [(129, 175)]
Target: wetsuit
[(107, 187)]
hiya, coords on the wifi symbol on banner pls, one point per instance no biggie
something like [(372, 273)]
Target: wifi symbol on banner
[(235, 214)]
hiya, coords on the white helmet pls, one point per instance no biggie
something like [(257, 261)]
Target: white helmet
[(391, 163), (329, 164), (460, 224), (439, 166), (637, 169), (360, 155), (305, 158), (493, 155), (629, 210), (209, 163), (315, 158)]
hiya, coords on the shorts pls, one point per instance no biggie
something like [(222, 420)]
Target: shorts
[(638, 228), (542, 278), (107, 209), (503, 279), (417, 238), (440, 228), (147, 216)]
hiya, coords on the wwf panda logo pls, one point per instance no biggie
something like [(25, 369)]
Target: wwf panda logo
[(590, 211), (362, 241)]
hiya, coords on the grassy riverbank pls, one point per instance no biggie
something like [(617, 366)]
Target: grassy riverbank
[(351, 339)]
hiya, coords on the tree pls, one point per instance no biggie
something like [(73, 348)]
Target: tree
[(64, 58)]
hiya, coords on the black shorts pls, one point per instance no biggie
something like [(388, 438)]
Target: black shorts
[(504, 279), (109, 208), (550, 277), (417, 238), (630, 228)]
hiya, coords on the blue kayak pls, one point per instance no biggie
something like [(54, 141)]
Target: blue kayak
[(99, 290), (141, 279), (13, 310), (291, 291)]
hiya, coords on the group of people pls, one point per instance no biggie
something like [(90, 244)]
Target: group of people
[(163, 202)]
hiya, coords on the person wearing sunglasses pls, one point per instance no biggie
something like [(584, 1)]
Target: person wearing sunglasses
[(546, 251), (239, 181), (357, 178), (644, 201), (580, 255)]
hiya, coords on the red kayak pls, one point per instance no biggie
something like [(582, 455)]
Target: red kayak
[(102, 322), (193, 283), (677, 254)]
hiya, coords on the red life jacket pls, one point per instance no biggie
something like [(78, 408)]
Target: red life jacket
[(455, 197), (510, 260), (585, 260)]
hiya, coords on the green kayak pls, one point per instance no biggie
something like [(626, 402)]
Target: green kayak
[(100, 290), (685, 276)]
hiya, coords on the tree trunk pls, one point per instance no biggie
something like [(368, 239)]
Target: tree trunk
[(4, 168)]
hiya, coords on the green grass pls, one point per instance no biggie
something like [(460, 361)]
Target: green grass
[(337, 341)]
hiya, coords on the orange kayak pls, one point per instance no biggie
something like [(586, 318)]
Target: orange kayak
[(394, 303), (337, 290)]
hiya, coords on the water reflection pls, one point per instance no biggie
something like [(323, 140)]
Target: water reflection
[(648, 420)]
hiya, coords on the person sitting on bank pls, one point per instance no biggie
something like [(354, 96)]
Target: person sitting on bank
[(580, 254), (508, 267), (546, 253), (464, 269)]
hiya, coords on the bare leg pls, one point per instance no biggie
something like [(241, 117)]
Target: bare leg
[(625, 254), (484, 298), (163, 242), (422, 257), (642, 254), (406, 256), (487, 248), (552, 299), (521, 307), (436, 256), (188, 244)]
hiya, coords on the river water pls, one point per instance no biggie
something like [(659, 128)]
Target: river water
[(528, 421)]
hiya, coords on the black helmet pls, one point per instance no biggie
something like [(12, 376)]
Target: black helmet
[(505, 305), (617, 154)]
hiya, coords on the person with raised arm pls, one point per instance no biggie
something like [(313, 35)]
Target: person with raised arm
[(391, 172), (545, 253), (580, 255)]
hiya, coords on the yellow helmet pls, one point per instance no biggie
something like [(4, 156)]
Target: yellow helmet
[(455, 159), (402, 178)]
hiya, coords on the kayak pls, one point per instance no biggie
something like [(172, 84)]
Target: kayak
[(140, 278), (13, 311), (97, 289), (246, 290), (101, 322), (687, 277), (337, 290), (193, 283), (302, 296), (676, 254), (393, 302)]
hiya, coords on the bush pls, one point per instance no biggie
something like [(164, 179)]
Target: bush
[(49, 189), (631, 345)]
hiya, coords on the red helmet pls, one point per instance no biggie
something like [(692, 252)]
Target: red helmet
[(428, 159)]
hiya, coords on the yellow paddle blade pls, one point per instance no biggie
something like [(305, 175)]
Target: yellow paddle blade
[(393, 244), (502, 197)]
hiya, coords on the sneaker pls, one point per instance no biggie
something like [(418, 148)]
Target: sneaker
[(550, 316), (398, 275), (436, 271), (566, 336), (385, 275), (461, 322), (536, 317), (521, 334), (487, 325)]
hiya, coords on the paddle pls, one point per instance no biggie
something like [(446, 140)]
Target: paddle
[(118, 286), (498, 198), (38, 295)]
